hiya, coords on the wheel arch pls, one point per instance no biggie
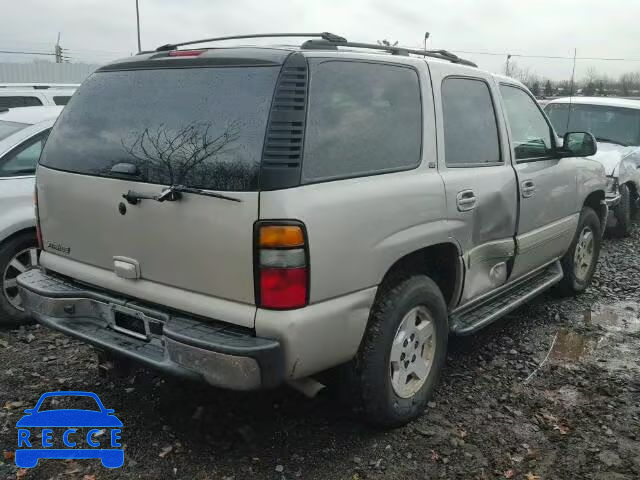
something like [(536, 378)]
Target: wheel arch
[(442, 262), (595, 201), (17, 233)]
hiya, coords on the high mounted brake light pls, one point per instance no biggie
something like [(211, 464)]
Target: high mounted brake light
[(185, 53), (281, 265)]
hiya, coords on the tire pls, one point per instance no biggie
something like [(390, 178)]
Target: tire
[(577, 277), (370, 373), (24, 242), (622, 212), (634, 203)]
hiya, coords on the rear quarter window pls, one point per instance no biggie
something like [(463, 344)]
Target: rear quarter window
[(61, 100), (363, 118)]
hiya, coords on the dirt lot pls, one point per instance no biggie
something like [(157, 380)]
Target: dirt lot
[(576, 417)]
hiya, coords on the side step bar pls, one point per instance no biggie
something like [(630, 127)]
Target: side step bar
[(468, 321)]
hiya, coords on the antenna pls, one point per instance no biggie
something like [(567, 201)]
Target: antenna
[(426, 37), (573, 78)]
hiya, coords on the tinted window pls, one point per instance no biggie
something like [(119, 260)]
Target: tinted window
[(469, 138), (614, 124), (9, 128), (530, 132), (363, 118), (23, 159), (13, 102), (61, 100), (200, 127)]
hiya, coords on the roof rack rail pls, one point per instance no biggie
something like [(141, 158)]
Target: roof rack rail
[(440, 54), (323, 35), (331, 41)]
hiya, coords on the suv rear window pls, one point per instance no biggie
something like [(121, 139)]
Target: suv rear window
[(198, 127), (364, 118)]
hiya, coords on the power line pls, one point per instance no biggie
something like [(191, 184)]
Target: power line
[(550, 57), (26, 53)]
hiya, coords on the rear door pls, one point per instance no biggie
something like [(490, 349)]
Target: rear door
[(548, 184), (479, 180), (202, 128)]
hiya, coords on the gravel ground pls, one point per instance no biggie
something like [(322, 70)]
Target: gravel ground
[(494, 415)]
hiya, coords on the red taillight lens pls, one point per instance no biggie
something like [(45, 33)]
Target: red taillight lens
[(282, 268), (283, 287), (185, 53)]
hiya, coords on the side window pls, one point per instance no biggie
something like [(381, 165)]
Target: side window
[(531, 134), (23, 159), (470, 127), (13, 102), (61, 100), (363, 118)]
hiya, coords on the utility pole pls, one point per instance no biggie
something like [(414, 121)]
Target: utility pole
[(138, 24), (58, 50), (426, 37), (506, 69)]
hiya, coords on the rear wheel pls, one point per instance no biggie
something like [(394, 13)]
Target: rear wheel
[(622, 213), (402, 353), (579, 263), (17, 255)]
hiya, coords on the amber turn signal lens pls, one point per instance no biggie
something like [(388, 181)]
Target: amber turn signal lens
[(281, 236)]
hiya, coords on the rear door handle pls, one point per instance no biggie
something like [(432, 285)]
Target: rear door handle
[(466, 200), (528, 188)]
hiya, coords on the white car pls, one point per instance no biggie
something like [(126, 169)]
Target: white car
[(615, 122), (13, 95), (23, 132)]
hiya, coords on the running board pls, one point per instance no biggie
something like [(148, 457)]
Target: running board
[(468, 321)]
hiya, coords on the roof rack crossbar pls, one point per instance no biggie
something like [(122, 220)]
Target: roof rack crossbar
[(396, 50), (330, 37)]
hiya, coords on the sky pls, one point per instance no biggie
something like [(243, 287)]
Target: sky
[(97, 31)]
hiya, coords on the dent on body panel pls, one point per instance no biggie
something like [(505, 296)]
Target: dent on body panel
[(492, 220)]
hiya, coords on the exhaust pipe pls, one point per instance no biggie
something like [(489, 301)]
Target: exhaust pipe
[(308, 386)]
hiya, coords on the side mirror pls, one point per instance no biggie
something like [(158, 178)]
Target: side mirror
[(579, 144)]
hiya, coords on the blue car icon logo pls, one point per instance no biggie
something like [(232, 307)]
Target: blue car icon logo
[(78, 444)]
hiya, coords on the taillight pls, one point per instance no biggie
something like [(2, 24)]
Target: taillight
[(185, 53), (35, 207), (282, 269)]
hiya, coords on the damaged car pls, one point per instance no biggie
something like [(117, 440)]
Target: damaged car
[(615, 122)]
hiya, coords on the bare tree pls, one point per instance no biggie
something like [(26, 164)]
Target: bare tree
[(189, 155), (524, 74)]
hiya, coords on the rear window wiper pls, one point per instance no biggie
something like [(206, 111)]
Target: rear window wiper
[(173, 193), (608, 140)]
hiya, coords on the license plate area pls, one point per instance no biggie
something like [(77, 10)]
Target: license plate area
[(135, 323)]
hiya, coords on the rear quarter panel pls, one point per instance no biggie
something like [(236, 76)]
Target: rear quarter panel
[(358, 228)]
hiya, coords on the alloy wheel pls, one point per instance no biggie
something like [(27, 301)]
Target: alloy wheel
[(412, 352)]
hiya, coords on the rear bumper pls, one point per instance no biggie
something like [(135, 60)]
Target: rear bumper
[(223, 355)]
